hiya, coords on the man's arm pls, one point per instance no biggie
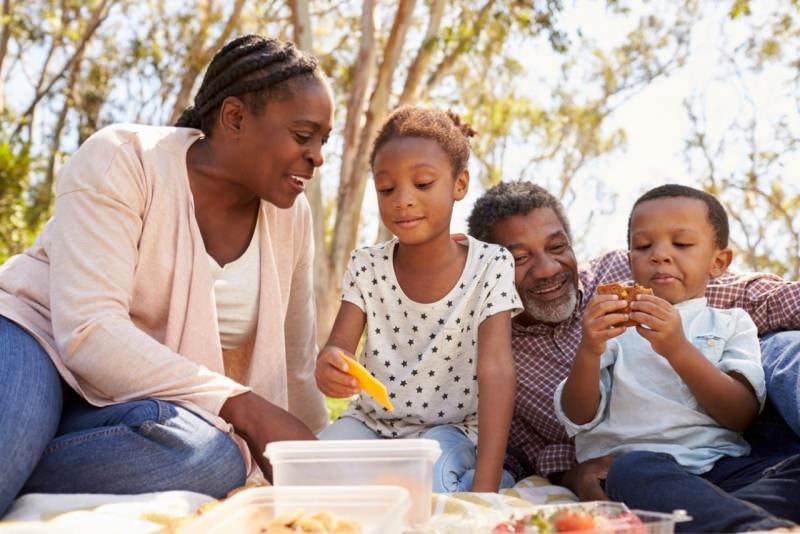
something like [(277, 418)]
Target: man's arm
[(772, 302)]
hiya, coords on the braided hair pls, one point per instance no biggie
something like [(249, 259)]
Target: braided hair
[(252, 67), (444, 127)]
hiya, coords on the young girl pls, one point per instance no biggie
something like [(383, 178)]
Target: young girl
[(671, 396), (437, 311)]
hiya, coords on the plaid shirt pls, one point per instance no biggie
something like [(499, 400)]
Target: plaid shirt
[(537, 443)]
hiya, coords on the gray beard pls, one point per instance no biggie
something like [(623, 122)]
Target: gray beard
[(552, 312)]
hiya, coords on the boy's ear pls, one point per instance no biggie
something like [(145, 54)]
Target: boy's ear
[(461, 185), (722, 259)]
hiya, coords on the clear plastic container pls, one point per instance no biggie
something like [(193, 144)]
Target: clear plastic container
[(617, 518), (387, 462), (377, 510)]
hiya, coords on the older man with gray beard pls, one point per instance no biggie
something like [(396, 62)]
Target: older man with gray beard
[(532, 225)]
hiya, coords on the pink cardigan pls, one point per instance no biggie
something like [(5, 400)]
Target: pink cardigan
[(118, 290)]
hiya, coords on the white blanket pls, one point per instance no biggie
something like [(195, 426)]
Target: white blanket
[(151, 512)]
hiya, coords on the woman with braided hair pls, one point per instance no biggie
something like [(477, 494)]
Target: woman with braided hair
[(160, 331)]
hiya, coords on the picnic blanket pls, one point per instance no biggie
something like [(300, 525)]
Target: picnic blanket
[(153, 512)]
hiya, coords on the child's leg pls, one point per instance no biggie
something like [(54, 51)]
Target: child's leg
[(455, 468), (769, 483), (347, 428), (655, 481)]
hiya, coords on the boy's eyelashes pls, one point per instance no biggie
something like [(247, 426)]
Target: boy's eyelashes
[(645, 246)]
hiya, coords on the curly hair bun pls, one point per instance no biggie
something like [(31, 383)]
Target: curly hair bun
[(463, 126)]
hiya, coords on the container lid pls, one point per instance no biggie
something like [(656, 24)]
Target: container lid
[(339, 450)]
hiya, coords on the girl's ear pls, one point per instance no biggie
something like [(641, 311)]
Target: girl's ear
[(461, 185), (720, 262)]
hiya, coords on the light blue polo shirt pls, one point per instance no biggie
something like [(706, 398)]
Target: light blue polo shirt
[(644, 404)]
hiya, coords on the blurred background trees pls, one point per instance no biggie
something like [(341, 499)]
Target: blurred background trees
[(539, 80)]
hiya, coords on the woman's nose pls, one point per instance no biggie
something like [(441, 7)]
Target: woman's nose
[(315, 156)]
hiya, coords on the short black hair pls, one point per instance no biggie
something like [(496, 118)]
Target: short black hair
[(446, 128), (717, 216), (254, 68), (508, 199)]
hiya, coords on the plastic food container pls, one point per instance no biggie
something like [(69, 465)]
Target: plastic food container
[(617, 518), (377, 510), (387, 462)]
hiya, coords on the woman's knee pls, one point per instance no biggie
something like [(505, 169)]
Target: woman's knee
[(209, 454), (30, 397)]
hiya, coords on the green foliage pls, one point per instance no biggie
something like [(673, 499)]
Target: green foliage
[(16, 163), (336, 407)]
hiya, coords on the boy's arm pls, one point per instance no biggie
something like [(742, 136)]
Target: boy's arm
[(723, 392), (579, 397), (728, 398), (496, 383)]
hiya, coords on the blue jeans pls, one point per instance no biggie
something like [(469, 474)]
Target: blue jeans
[(776, 431), (453, 471), (52, 441), (737, 495), (780, 353)]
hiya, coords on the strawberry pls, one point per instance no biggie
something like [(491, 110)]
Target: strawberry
[(567, 521), (635, 524)]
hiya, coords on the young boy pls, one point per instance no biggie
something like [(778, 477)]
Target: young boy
[(672, 395)]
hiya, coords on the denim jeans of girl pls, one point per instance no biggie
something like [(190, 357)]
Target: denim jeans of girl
[(54, 442), (453, 471)]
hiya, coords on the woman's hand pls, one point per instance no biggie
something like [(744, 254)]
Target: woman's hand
[(331, 374), (660, 324), (260, 422), (602, 313)]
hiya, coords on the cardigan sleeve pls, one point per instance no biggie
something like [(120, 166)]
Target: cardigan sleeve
[(101, 199), (305, 399)]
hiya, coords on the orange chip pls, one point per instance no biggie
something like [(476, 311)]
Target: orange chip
[(367, 382)]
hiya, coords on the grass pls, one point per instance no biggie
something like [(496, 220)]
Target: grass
[(336, 406)]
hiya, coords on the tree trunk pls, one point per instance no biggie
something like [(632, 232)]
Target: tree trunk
[(443, 68), (303, 36), (5, 35), (97, 18), (424, 54), (198, 58), (327, 275), (352, 184), (415, 73)]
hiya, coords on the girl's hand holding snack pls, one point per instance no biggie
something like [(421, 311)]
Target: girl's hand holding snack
[(660, 324), (331, 374)]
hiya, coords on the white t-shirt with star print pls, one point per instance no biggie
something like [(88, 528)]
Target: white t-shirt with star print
[(426, 354)]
